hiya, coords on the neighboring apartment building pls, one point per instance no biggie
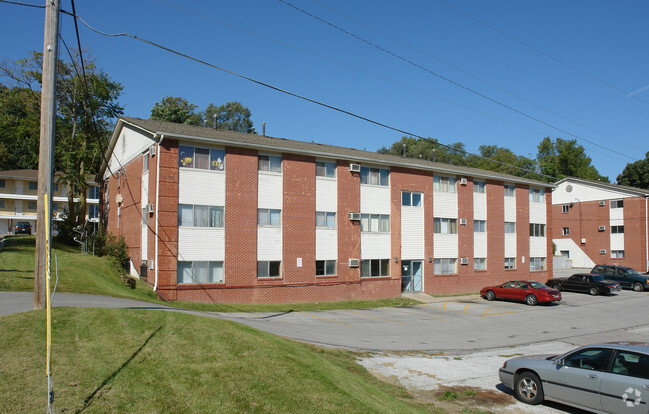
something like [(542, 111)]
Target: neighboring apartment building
[(19, 195), (218, 216), (600, 223)]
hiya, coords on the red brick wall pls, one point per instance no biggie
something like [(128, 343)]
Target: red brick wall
[(349, 232)]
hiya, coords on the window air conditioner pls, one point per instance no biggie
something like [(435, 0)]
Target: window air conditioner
[(354, 167), (152, 151), (602, 251), (354, 216), (464, 260), (462, 222), (602, 203), (601, 228), (463, 181), (354, 262)]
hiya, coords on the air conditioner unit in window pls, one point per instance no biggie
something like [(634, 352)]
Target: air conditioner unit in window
[(354, 216), (354, 262), (462, 222), (602, 203), (355, 167), (152, 151), (601, 228), (463, 181), (602, 251), (464, 260)]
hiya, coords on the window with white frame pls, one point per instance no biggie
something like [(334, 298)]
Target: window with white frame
[(445, 266), (201, 158), (325, 267), (565, 208), (2, 204), (409, 198), (617, 254), (93, 211), (375, 223), (375, 267), (270, 163), (510, 190), (617, 229), (375, 176), (32, 185), (269, 217), (200, 272), (325, 219), (510, 227), (537, 263), (190, 215), (537, 195), (3, 183), (31, 205), (617, 203), (510, 263), (444, 184), (565, 231), (325, 169), (479, 263), (93, 192), (537, 230), (479, 187), (445, 225), (268, 268), (145, 162), (479, 226)]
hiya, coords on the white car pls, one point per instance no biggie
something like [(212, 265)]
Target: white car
[(603, 378)]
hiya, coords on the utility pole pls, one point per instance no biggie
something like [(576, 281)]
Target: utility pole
[(46, 148)]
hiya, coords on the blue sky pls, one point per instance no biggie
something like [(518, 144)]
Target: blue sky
[(477, 44)]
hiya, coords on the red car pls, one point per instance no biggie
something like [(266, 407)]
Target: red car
[(526, 291)]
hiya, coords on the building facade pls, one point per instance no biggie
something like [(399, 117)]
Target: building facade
[(218, 216), (600, 223), (19, 196)]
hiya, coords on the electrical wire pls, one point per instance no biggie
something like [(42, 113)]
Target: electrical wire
[(20, 3)]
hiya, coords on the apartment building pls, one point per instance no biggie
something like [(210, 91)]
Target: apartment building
[(218, 216), (600, 223)]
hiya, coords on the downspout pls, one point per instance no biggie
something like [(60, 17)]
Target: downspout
[(646, 234), (157, 209)]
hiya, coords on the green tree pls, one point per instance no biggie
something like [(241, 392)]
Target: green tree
[(636, 174), (428, 149), (232, 116), (503, 160), (19, 128), (564, 158), (175, 109)]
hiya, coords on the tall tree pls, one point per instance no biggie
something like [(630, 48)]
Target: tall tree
[(175, 109), (503, 160), (564, 158), (232, 116), (636, 174), (428, 149)]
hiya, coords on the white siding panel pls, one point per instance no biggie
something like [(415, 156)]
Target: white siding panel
[(479, 207), (269, 243), (326, 244), (616, 214), (445, 246), (269, 193), (538, 247), (201, 187), (326, 195), (582, 193), (412, 233), (537, 213), (479, 244), (445, 205), (375, 245), (578, 257), (145, 229), (130, 144), (617, 241), (201, 244), (510, 209), (375, 200), (510, 245)]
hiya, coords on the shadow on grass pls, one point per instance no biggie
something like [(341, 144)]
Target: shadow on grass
[(89, 399)]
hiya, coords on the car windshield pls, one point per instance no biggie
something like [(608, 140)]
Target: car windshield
[(537, 285), (598, 278)]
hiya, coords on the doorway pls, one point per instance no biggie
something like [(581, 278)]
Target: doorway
[(411, 275)]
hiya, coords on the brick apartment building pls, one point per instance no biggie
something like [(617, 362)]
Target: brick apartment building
[(218, 216), (600, 223)]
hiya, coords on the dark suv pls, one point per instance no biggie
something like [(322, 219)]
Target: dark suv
[(626, 276), (23, 227)]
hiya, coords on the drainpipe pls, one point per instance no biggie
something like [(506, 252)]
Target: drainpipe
[(646, 234), (157, 209)]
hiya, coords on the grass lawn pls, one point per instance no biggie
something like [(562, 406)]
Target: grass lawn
[(109, 360)]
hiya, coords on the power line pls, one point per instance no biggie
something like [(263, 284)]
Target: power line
[(466, 88), (20, 3)]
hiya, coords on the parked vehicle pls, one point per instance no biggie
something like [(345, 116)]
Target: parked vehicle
[(627, 277), (522, 290), (585, 282), (605, 378), (23, 227)]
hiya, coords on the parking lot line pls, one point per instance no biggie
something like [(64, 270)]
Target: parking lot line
[(494, 314), (416, 314), (372, 317), (325, 319)]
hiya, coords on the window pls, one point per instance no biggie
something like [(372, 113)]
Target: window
[(479, 226), (200, 272), (510, 190), (510, 263), (31, 205), (268, 268), (375, 223), (444, 184), (479, 187), (595, 359), (145, 162), (325, 219), (2, 183), (410, 199), (269, 217), (510, 227), (375, 176), (537, 195), (375, 267), (325, 267), (480, 263), (93, 192), (2, 204), (631, 364), (617, 203), (93, 211), (617, 254), (201, 158), (537, 263), (190, 215), (55, 187), (32, 185), (445, 226), (325, 169), (270, 163), (566, 231), (444, 266), (617, 229), (565, 208), (537, 230)]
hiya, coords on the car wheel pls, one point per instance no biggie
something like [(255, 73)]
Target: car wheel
[(531, 300), (593, 291), (556, 286), (638, 287), (490, 295), (528, 388)]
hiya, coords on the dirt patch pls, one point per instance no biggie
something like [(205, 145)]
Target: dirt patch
[(464, 399)]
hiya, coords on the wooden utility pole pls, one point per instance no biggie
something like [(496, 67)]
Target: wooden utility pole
[(46, 148)]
